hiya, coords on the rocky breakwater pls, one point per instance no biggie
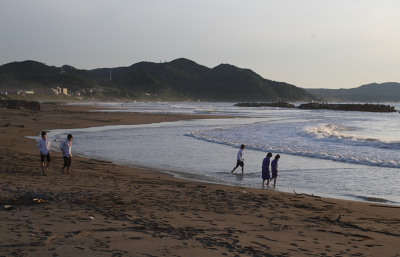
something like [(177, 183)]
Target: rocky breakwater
[(349, 107), (260, 104), (20, 104)]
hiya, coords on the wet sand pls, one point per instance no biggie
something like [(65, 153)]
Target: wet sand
[(102, 209)]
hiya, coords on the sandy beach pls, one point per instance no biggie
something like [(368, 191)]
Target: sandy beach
[(103, 209)]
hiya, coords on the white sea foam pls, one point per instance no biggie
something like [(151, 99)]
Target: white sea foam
[(322, 142), (334, 133)]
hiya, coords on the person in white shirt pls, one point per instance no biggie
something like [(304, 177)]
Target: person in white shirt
[(44, 148), (240, 159), (66, 149)]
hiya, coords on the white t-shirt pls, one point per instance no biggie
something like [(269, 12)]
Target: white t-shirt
[(66, 146), (44, 146), (240, 155)]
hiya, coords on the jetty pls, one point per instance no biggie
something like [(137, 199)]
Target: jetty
[(20, 104), (326, 106), (349, 107), (261, 104)]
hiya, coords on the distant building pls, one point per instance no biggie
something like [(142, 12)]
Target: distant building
[(59, 90), (25, 92)]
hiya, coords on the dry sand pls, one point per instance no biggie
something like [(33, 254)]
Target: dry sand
[(102, 209)]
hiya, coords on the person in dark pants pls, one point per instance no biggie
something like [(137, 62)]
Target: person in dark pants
[(44, 148), (266, 176), (66, 148), (240, 159), (274, 168)]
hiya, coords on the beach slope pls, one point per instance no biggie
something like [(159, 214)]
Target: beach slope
[(102, 209)]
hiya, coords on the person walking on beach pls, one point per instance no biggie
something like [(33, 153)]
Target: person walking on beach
[(265, 170), (274, 168), (240, 159), (66, 148), (44, 148)]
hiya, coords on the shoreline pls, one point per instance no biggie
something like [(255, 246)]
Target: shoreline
[(194, 171), (103, 209)]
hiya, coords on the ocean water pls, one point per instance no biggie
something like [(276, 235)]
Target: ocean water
[(338, 154)]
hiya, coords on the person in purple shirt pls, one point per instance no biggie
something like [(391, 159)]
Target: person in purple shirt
[(265, 170), (274, 168)]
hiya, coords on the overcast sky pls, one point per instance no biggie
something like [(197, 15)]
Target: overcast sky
[(308, 43)]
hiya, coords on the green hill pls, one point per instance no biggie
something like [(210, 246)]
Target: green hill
[(180, 79), (374, 92)]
